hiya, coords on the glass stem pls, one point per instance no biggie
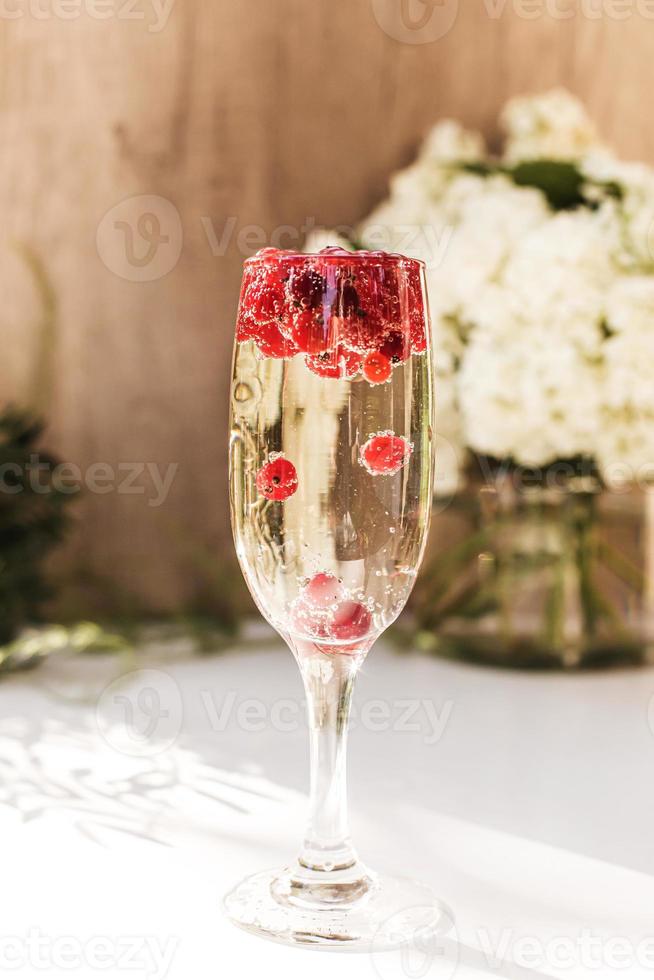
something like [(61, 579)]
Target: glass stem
[(327, 871), (327, 844)]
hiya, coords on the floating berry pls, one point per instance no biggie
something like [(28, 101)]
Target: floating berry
[(272, 342), (310, 333), (245, 326), (376, 368), (323, 591), (339, 363), (350, 621), (362, 332), (268, 302), (385, 453), (277, 479), (306, 287)]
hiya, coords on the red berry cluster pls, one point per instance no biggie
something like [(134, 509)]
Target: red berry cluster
[(346, 312)]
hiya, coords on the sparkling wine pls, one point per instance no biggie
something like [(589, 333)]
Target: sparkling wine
[(330, 550)]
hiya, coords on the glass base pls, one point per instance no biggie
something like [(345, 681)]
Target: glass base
[(392, 913)]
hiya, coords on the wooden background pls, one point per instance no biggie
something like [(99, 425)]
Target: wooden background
[(262, 113)]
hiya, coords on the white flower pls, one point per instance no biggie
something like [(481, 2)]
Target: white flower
[(553, 125), (557, 277), (534, 401), (635, 209), (449, 142), (630, 305), (625, 444)]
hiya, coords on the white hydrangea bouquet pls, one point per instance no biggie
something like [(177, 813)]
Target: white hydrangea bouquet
[(540, 272)]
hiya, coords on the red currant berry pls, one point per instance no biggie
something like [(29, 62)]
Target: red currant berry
[(376, 368), (323, 591), (385, 453), (350, 621), (277, 479)]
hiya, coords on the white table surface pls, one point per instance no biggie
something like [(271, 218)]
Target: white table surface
[(525, 800)]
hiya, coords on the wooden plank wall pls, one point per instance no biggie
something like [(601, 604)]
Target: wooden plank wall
[(225, 114)]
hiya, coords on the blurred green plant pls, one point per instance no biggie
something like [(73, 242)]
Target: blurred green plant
[(34, 645), (33, 520)]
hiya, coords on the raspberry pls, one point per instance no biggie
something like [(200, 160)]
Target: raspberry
[(310, 333), (350, 621), (245, 326), (306, 287), (268, 303), (362, 332), (271, 341), (376, 368), (277, 479), (323, 591), (338, 363), (385, 453)]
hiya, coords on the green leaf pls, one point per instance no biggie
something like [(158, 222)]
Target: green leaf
[(561, 182)]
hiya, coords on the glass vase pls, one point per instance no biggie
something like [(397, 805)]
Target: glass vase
[(557, 576)]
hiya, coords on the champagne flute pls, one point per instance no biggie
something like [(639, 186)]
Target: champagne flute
[(331, 464)]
